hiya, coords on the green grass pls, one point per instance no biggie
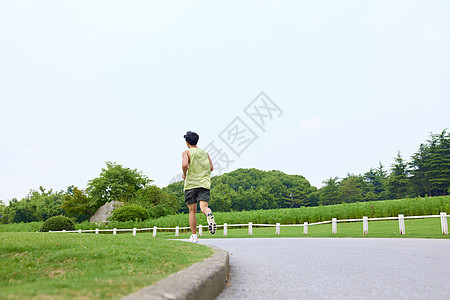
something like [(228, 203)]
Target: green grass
[(419, 228), (21, 227), (88, 266)]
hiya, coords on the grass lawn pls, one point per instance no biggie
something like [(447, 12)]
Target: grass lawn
[(88, 266), (419, 228)]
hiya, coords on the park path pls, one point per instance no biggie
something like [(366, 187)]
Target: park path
[(335, 268)]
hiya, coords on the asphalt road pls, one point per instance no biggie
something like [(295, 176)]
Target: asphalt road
[(333, 268)]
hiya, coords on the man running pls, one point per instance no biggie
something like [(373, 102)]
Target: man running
[(197, 167)]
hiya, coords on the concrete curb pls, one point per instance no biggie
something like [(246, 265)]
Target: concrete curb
[(204, 280)]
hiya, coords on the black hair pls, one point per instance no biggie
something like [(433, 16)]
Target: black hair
[(191, 137)]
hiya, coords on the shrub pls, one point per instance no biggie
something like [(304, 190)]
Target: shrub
[(57, 223), (130, 212)]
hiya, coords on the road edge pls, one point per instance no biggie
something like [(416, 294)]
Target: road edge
[(203, 280)]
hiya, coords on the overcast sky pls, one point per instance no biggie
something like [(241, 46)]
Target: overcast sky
[(346, 85)]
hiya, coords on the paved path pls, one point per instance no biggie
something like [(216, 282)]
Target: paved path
[(333, 268)]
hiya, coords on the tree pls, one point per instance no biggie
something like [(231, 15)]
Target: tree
[(9, 211), (439, 145), (77, 204), (375, 183), (115, 183), (350, 189), (420, 170), (298, 198), (22, 214), (222, 197), (329, 193), (430, 165), (159, 203), (398, 180), (176, 190), (36, 206), (2, 208)]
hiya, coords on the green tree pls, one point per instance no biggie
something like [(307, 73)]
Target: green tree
[(398, 180), (23, 214), (36, 206), (8, 211), (158, 202), (350, 189), (430, 165), (329, 193), (115, 183), (2, 208), (77, 204), (420, 169), (222, 196), (298, 199), (176, 189), (375, 181), (439, 145), (45, 204)]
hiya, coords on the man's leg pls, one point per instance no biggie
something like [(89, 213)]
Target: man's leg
[(209, 216), (192, 219), (204, 208)]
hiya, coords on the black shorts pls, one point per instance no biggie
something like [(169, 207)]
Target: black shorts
[(195, 195)]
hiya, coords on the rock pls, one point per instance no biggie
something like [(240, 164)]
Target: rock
[(105, 211)]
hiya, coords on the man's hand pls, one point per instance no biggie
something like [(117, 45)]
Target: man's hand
[(184, 176)]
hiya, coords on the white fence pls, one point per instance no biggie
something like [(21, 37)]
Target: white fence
[(401, 223)]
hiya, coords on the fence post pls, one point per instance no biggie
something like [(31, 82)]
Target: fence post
[(277, 230), (250, 228), (134, 231), (79, 230), (200, 230), (177, 230), (96, 231), (225, 231), (334, 226), (154, 231), (305, 228), (365, 225), (401, 224), (114, 230), (444, 224)]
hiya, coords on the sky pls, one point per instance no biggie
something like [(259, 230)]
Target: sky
[(313, 88)]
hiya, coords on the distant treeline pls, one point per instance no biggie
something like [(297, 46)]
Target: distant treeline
[(115, 183), (427, 173)]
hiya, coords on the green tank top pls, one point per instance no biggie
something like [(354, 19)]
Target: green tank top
[(199, 172)]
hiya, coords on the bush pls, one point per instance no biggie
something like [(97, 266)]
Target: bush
[(57, 223), (130, 212)]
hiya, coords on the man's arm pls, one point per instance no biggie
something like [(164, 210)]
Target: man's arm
[(210, 162), (185, 163)]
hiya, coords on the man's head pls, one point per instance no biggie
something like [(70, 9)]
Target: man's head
[(191, 138)]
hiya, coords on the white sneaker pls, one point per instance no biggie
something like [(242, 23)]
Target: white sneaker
[(211, 224), (194, 238)]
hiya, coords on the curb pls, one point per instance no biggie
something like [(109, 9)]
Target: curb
[(204, 280)]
